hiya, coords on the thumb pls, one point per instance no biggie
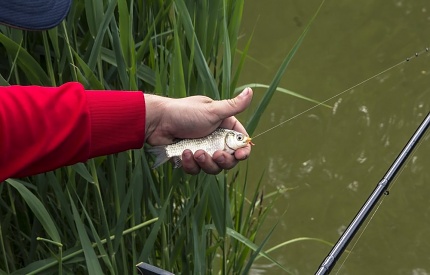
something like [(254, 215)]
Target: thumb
[(230, 107)]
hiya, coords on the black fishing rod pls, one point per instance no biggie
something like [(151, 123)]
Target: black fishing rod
[(331, 259)]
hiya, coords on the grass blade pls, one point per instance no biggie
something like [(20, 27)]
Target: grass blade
[(199, 58), (255, 118), (38, 209), (236, 235), (26, 62), (91, 259), (282, 90), (295, 240)]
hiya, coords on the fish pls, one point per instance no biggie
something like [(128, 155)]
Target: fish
[(220, 139)]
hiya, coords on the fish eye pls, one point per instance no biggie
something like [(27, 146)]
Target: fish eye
[(239, 137)]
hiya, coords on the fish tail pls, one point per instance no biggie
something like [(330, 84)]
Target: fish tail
[(160, 154), (177, 162)]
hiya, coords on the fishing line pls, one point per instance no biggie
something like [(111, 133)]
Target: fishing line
[(347, 90), (380, 203), (359, 236)]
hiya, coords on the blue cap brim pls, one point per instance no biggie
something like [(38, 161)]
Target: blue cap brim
[(33, 14)]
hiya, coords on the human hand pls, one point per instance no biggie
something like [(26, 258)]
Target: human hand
[(168, 119)]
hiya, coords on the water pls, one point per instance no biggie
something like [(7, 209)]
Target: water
[(333, 158)]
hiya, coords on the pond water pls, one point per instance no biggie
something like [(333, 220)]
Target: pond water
[(333, 158)]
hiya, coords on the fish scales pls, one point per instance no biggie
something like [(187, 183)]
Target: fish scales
[(211, 143)]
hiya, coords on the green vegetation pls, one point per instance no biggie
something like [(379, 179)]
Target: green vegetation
[(113, 212)]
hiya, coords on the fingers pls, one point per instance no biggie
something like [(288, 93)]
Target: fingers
[(211, 165), (225, 160), (243, 153), (189, 165), (200, 161)]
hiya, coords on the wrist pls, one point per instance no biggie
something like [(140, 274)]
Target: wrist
[(155, 108)]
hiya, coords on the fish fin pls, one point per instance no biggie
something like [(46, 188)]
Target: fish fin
[(160, 154), (177, 162)]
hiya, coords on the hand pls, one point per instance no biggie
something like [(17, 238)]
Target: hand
[(168, 119)]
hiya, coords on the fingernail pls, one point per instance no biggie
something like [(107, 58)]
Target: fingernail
[(244, 157), (220, 159), (201, 158), (187, 155), (245, 92)]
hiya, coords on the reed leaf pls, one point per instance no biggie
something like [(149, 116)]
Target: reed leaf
[(82, 170), (204, 73), (118, 57), (236, 235), (73, 255), (92, 263), (37, 208), (3, 81), (25, 61), (101, 25), (243, 57), (227, 56), (149, 243), (177, 81), (300, 239), (282, 90), (94, 11)]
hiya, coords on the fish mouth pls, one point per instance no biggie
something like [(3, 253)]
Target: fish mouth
[(249, 141)]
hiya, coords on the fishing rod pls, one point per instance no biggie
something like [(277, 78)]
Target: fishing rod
[(329, 262)]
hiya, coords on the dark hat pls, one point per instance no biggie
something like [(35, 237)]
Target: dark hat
[(33, 14)]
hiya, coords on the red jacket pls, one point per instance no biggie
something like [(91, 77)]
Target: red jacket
[(45, 128)]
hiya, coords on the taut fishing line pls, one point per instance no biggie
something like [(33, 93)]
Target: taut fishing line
[(347, 90), (379, 204)]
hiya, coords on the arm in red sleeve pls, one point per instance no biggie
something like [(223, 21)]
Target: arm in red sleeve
[(45, 128)]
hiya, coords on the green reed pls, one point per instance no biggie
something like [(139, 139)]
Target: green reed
[(113, 212)]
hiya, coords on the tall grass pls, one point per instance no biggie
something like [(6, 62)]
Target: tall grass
[(107, 215)]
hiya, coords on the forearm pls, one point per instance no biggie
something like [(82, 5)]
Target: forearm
[(46, 128)]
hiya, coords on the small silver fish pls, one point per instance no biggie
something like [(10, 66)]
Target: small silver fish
[(220, 139)]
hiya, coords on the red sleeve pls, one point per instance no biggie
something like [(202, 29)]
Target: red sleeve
[(45, 128)]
